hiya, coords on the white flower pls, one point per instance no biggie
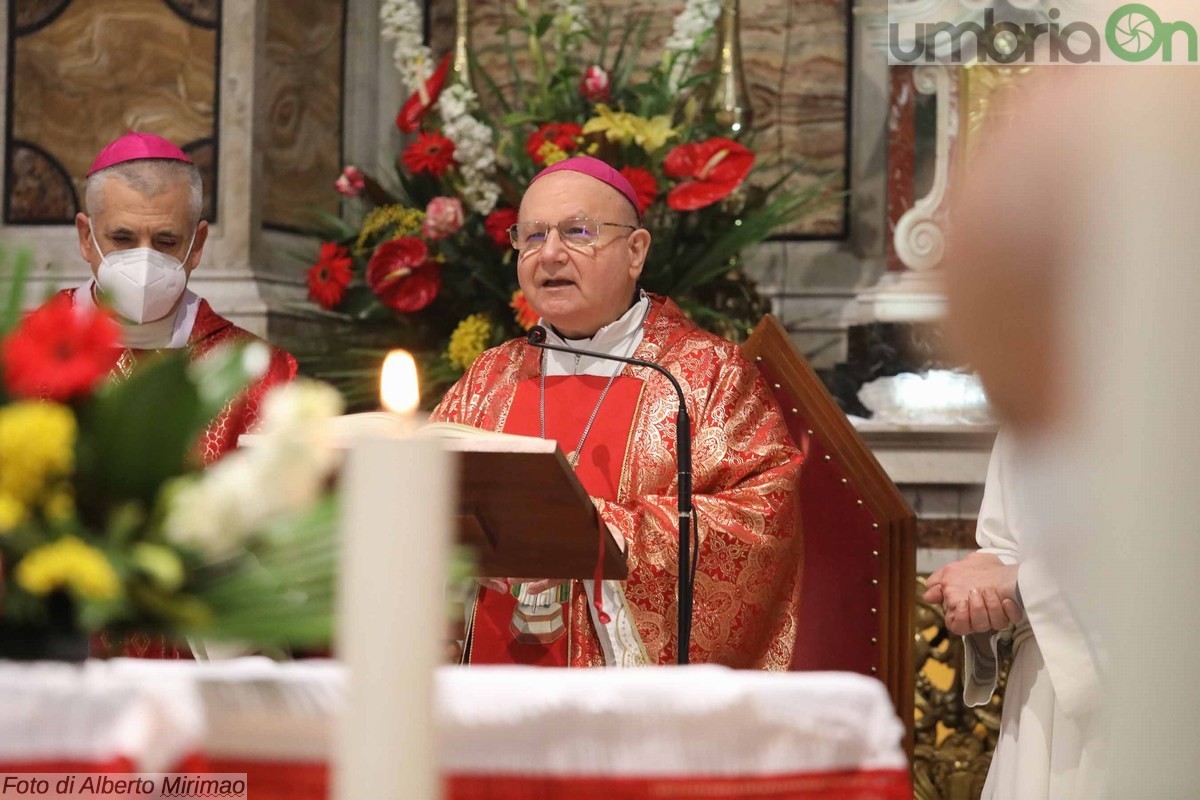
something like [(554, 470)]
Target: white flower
[(473, 147), (570, 19), (299, 406), (214, 513), (692, 28), (283, 473), (402, 23)]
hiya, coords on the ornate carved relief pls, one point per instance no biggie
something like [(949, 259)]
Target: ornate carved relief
[(920, 237)]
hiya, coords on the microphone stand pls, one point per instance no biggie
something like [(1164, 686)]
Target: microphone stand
[(683, 450)]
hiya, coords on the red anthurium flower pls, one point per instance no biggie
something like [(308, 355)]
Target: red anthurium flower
[(714, 167), (525, 315), (563, 135), (644, 184), (329, 277), (58, 352), (415, 107), (497, 224), (430, 152), (401, 273)]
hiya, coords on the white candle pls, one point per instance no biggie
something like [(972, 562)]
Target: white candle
[(396, 495)]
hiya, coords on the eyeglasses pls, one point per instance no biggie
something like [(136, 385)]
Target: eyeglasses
[(578, 232)]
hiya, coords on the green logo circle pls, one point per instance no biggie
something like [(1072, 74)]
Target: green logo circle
[(1132, 32)]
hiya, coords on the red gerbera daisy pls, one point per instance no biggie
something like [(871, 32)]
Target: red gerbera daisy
[(59, 352), (644, 184), (715, 168), (430, 152), (413, 110), (401, 273), (497, 224), (523, 312), (329, 277), (563, 135)]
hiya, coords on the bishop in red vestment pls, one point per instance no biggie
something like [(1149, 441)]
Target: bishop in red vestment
[(142, 236), (581, 251)]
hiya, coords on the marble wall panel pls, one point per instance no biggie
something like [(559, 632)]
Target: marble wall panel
[(83, 72), (795, 57), (303, 123)]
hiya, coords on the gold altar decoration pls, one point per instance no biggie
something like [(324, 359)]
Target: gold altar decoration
[(985, 94), (731, 98), (953, 742)]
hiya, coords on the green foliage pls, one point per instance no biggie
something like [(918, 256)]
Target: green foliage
[(10, 311)]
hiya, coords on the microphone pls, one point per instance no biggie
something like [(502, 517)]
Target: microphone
[(683, 453)]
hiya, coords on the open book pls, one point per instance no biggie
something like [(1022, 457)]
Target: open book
[(467, 439)]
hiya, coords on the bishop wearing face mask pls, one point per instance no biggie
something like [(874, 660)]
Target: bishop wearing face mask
[(143, 236)]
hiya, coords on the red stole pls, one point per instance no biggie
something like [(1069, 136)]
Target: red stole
[(570, 401)]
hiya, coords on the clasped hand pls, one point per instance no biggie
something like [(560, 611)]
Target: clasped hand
[(977, 593)]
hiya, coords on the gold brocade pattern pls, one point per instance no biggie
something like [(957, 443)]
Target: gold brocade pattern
[(744, 474)]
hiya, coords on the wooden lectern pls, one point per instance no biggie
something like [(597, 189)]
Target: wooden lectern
[(527, 515)]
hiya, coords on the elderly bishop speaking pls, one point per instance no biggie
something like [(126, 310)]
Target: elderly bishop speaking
[(143, 236), (581, 249)]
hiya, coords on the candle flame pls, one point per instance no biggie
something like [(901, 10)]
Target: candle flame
[(398, 389)]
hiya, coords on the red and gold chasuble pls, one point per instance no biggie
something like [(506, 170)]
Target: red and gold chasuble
[(744, 473), (497, 637)]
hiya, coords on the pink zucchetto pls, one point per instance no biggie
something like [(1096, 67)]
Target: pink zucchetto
[(595, 168), (135, 146)]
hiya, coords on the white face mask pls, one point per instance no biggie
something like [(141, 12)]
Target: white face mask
[(141, 283)]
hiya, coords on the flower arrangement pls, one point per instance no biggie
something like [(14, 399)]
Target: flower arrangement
[(107, 522), (432, 251)]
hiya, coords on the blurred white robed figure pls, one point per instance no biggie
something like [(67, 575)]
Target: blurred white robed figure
[(1073, 292), (1048, 745)]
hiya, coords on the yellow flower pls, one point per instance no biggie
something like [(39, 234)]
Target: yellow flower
[(617, 126), (59, 506), (162, 564), (622, 127), (37, 444), (653, 133), (12, 512), (469, 339), (551, 154), (68, 564), (403, 220)]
